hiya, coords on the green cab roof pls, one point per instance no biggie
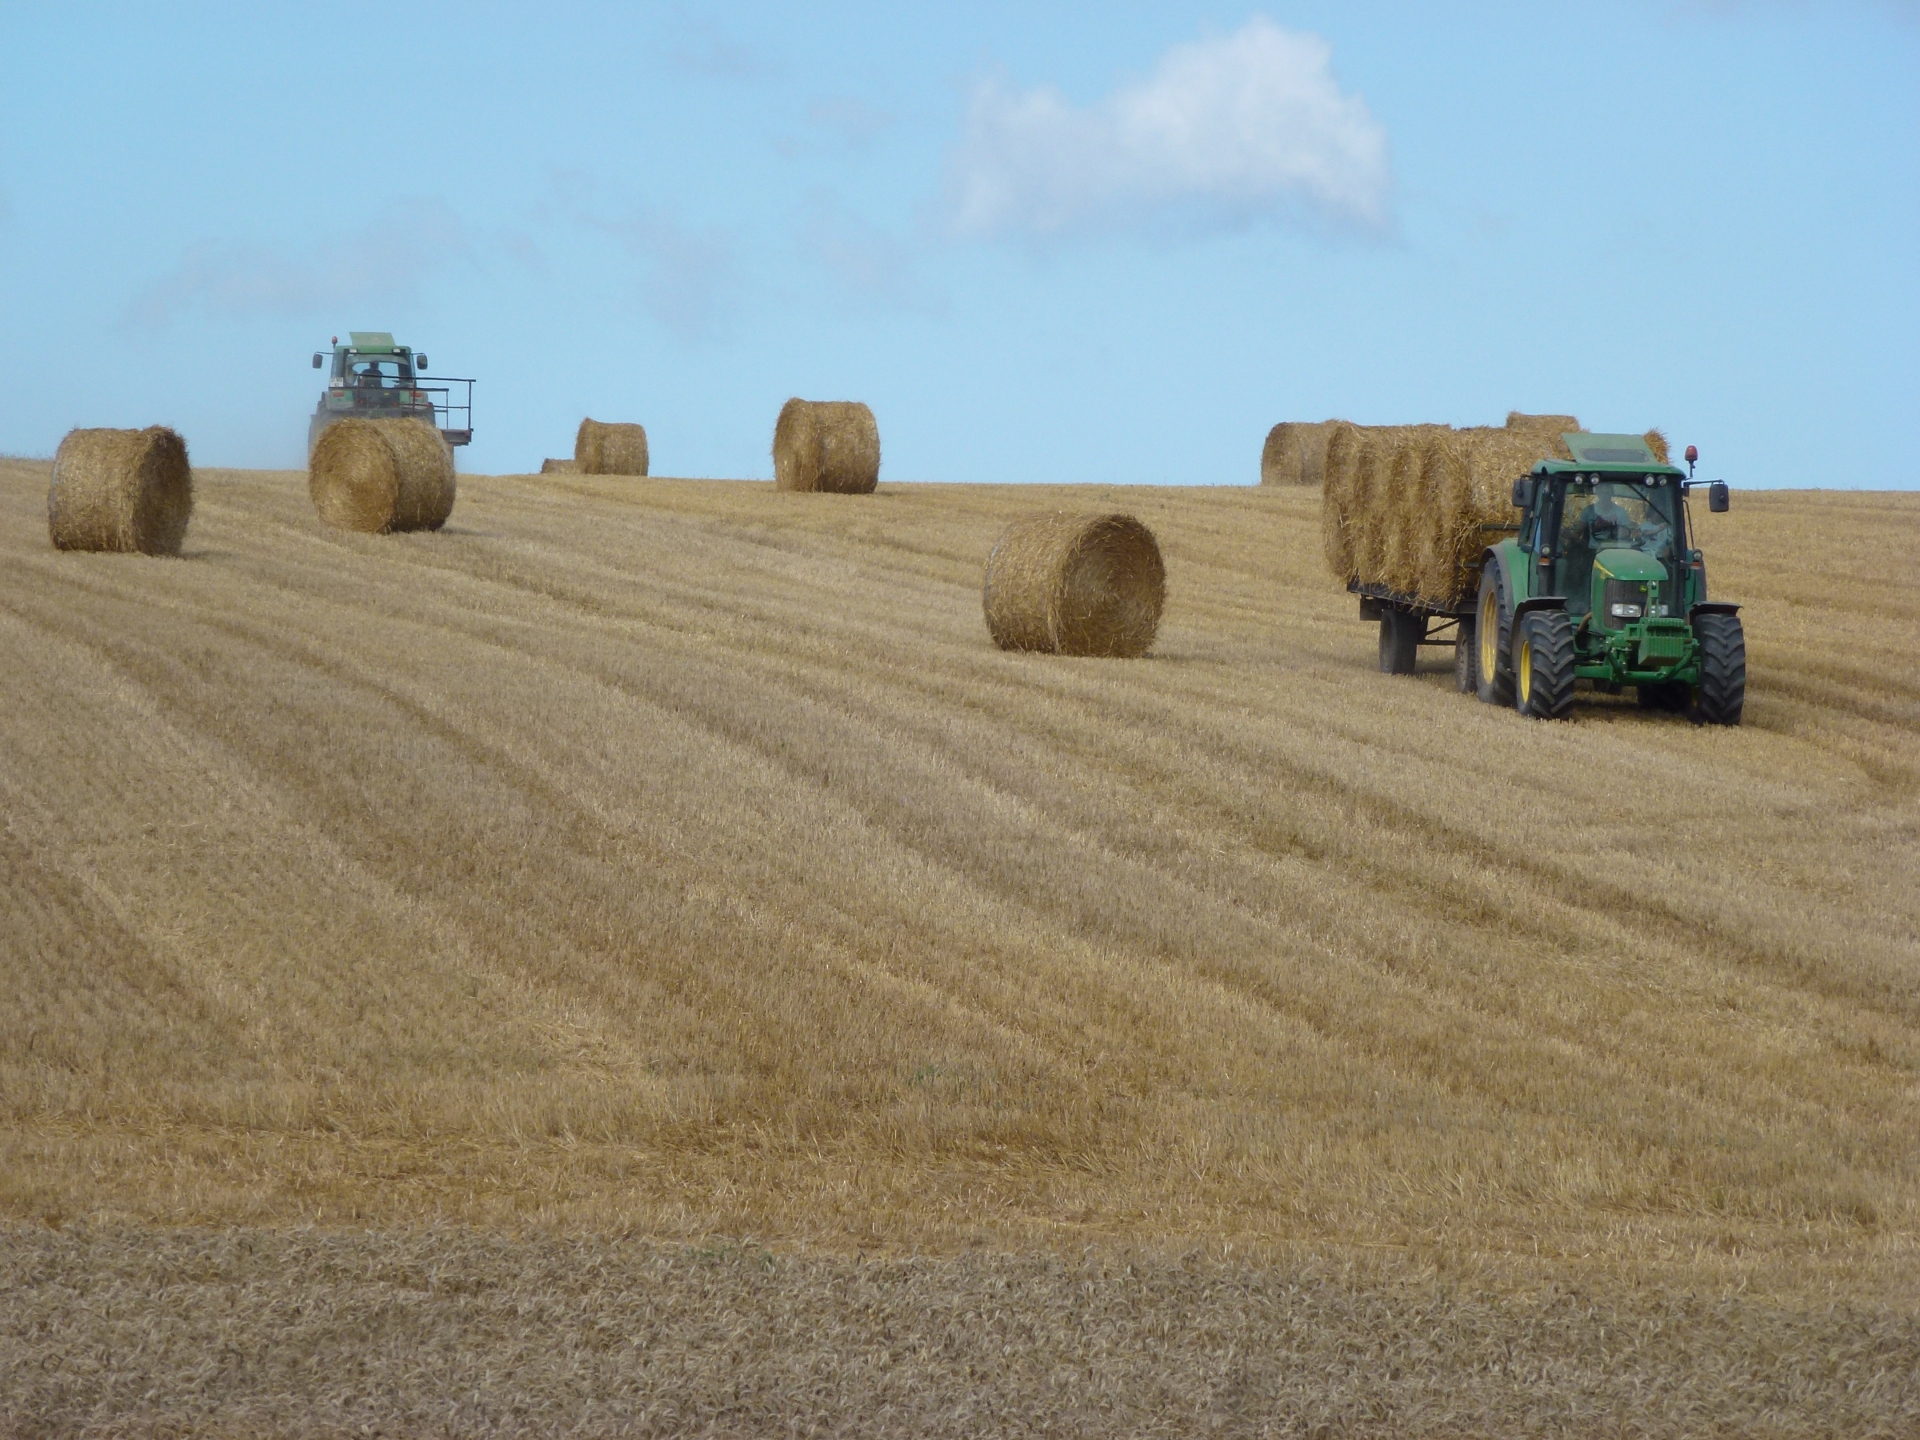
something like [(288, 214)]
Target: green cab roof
[(1611, 454), (373, 340)]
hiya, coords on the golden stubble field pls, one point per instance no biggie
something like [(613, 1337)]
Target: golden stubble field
[(661, 860)]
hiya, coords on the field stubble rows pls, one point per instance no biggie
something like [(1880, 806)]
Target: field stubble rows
[(681, 858)]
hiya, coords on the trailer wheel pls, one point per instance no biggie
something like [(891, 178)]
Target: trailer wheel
[(1543, 665), (1400, 634), (1463, 660), (1493, 661), (1723, 670)]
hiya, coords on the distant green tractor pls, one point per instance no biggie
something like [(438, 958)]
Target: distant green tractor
[(374, 379), (1602, 584)]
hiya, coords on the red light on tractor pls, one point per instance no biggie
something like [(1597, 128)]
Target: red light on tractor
[(1693, 454), (334, 341)]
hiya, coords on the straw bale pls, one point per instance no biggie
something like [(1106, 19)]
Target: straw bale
[(1075, 584), (1336, 504), (828, 445), (550, 466), (382, 475), (1656, 439), (601, 448), (129, 491), (1296, 453), (1546, 429)]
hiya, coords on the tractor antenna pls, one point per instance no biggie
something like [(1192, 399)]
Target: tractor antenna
[(1693, 454)]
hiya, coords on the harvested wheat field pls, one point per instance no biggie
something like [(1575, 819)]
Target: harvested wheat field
[(640, 960)]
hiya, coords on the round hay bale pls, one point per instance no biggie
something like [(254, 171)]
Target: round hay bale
[(382, 475), (551, 466), (1296, 453), (829, 445), (1068, 584), (1544, 431), (129, 491), (1336, 499), (610, 449)]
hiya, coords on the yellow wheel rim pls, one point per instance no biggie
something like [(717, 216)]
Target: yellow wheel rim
[(1489, 635), (1523, 672)]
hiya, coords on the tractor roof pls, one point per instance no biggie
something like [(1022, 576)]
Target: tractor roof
[(374, 341), (1613, 454)]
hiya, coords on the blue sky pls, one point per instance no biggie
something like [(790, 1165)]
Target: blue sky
[(1043, 242)]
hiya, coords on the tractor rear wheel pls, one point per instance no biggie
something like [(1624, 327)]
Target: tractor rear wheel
[(1543, 664), (1673, 696), (1463, 646), (1493, 661), (1723, 670), (1400, 634)]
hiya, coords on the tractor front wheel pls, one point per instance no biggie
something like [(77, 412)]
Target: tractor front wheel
[(1723, 670), (1400, 634), (1492, 667), (1543, 665)]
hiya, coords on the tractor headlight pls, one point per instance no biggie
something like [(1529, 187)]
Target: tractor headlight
[(1621, 611)]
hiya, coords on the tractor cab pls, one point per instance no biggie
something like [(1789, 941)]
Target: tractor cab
[(373, 378)]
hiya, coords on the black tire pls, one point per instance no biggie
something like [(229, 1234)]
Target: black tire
[(1723, 670), (1463, 637), (1674, 696), (1400, 634), (1493, 659), (1543, 665)]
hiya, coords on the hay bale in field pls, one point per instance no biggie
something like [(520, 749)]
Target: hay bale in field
[(382, 475), (550, 466), (1296, 452), (129, 491), (1075, 584), (827, 445), (600, 448)]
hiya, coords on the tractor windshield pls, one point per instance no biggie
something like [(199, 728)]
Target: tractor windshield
[(1608, 513), (379, 373)]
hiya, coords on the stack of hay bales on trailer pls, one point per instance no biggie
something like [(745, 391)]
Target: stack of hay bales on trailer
[(600, 448), (826, 445), (1408, 507), (129, 491), (1067, 584), (380, 476)]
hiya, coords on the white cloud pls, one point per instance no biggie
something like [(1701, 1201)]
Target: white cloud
[(385, 263), (1224, 131)]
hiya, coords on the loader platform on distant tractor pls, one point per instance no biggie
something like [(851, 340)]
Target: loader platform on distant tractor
[(372, 378), (1599, 582)]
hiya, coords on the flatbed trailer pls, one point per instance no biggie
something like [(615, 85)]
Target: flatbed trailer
[(1408, 622)]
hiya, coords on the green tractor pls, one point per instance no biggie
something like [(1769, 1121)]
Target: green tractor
[(374, 379), (1602, 584)]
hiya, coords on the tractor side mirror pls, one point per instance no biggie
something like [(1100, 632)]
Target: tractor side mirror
[(316, 359), (420, 364), (1523, 493), (1717, 501)]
